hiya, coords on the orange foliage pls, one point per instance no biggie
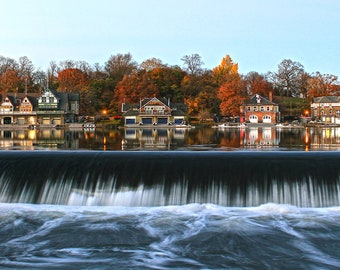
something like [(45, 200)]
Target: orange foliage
[(192, 104), (232, 94), (322, 85), (261, 86), (9, 81), (72, 80), (134, 87)]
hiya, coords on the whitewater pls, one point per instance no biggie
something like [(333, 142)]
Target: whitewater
[(193, 236), (169, 210)]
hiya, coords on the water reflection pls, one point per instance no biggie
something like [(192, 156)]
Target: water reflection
[(260, 137), (159, 138), (325, 138)]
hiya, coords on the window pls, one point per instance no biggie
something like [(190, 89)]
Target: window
[(268, 109), (255, 108), (261, 108)]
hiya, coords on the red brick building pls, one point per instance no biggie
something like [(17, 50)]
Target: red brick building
[(258, 109)]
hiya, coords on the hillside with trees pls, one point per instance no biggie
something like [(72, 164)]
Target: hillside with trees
[(206, 93)]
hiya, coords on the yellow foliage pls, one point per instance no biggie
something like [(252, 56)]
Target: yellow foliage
[(226, 71)]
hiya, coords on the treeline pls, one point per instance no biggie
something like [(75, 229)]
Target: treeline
[(121, 79)]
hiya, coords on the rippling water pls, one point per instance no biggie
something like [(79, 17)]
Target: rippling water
[(194, 236)]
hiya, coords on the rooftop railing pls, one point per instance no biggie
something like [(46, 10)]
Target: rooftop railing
[(154, 113)]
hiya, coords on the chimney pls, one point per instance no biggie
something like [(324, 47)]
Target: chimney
[(270, 96)]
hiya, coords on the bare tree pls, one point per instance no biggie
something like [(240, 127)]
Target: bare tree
[(151, 64), (7, 64), (289, 79), (193, 63)]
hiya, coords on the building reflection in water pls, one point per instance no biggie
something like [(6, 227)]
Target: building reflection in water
[(32, 139), (150, 138), (324, 138), (259, 137)]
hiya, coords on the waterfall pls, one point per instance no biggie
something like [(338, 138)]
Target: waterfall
[(157, 178)]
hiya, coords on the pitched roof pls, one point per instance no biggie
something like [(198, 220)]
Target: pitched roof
[(327, 99), (147, 100), (259, 100), (132, 109), (32, 97)]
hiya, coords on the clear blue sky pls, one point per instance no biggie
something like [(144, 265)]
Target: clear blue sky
[(257, 34)]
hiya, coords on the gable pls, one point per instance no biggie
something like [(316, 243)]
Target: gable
[(8, 101), (154, 104), (26, 101)]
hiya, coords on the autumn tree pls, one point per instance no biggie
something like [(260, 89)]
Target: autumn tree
[(227, 70), (17, 76), (120, 65), (72, 80), (232, 90), (208, 94), (322, 85), (168, 81), (10, 81), (232, 94), (257, 84), (200, 93), (98, 96), (132, 88)]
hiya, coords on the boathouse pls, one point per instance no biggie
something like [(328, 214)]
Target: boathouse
[(154, 112), (259, 109), (326, 109), (49, 108)]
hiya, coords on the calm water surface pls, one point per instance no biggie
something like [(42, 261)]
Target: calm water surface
[(304, 139)]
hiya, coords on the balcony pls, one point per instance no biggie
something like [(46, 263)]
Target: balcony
[(155, 113), (8, 113)]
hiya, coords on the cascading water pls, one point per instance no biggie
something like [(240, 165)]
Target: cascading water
[(170, 178), (169, 210)]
